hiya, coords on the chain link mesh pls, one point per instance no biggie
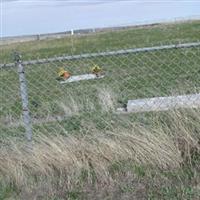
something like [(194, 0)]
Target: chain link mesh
[(61, 108)]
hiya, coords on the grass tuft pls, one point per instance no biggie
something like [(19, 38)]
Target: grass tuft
[(70, 163)]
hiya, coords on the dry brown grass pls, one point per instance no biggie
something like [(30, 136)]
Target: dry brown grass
[(107, 99), (57, 162)]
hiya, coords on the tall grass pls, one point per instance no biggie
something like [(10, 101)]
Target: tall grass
[(58, 165)]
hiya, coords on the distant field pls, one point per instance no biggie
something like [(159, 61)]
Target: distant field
[(130, 38)]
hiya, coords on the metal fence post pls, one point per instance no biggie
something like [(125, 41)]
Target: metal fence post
[(24, 97)]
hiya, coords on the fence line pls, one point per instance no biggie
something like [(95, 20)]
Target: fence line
[(43, 36), (141, 74), (108, 53), (68, 33)]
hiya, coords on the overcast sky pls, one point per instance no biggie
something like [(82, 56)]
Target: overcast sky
[(21, 17)]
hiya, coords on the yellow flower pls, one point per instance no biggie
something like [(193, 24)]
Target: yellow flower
[(61, 71), (96, 69)]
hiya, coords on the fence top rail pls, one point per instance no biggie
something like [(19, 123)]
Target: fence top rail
[(99, 54)]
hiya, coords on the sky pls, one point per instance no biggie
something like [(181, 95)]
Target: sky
[(26, 17)]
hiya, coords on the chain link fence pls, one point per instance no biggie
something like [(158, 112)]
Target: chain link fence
[(60, 106)]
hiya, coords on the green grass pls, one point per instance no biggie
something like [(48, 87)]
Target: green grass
[(88, 108), (131, 76), (141, 75), (112, 40)]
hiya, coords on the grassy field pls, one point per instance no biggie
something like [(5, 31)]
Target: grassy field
[(98, 153), (131, 76), (111, 40)]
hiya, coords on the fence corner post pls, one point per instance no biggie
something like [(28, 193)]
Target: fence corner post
[(24, 97)]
